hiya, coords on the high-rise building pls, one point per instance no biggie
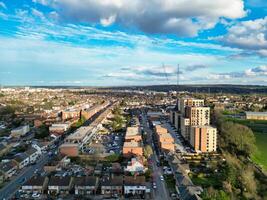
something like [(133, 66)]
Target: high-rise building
[(192, 119), (203, 138), (198, 116), (189, 102)]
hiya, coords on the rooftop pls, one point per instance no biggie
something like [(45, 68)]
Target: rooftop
[(131, 144), (59, 181), (35, 181), (80, 133), (115, 181), (134, 180), (257, 113), (86, 181), (131, 131)]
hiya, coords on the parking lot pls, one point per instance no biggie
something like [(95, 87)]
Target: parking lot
[(108, 143)]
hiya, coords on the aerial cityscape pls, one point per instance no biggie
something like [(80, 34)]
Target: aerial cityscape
[(119, 99)]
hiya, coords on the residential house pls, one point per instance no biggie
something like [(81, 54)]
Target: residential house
[(59, 185), (135, 166), (39, 147), (112, 186), (135, 185), (22, 160), (33, 154), (8, 169), (35, 184), (85, 185)]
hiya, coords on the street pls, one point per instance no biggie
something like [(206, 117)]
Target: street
[(161, 192), (10, 188)]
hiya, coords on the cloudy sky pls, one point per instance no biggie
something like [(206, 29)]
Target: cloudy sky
[(132, 42)]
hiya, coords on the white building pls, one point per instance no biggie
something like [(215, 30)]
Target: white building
[(59, 128), (22, 160), (20, 131), (135, 166), (33, 154), (135, 185)]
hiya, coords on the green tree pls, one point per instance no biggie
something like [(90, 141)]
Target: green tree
[(42, 132), (148, 151), (239, 138)]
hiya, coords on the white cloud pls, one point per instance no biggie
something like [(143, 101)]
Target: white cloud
[(108, 21), (2, 5), (38, 13), (257, 71), (151, 16), (248, 35)]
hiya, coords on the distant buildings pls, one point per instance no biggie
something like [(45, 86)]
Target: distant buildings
[(256, 115), (192, 119)]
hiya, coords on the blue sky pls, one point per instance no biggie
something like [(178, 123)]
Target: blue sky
[(125, 42)]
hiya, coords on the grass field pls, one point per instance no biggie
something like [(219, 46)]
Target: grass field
[(260, 157)]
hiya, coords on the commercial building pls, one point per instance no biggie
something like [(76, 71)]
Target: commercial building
[(20, 131), (69, 149), (256, 115), (80, 136), (59, 128)]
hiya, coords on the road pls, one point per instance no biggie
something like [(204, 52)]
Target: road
[(161, 192), (10, 188)]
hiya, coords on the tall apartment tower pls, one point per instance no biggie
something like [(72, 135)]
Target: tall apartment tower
[(192, 119)]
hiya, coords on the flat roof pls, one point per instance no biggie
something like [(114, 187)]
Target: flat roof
[(131, 131), (257, 113), (69, 145), (80, 133), (131, 144)]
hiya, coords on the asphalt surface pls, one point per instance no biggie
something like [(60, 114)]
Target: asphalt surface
[(161, 192), (10, 188)]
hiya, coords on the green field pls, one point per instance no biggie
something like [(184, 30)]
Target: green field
[(260, 157)]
